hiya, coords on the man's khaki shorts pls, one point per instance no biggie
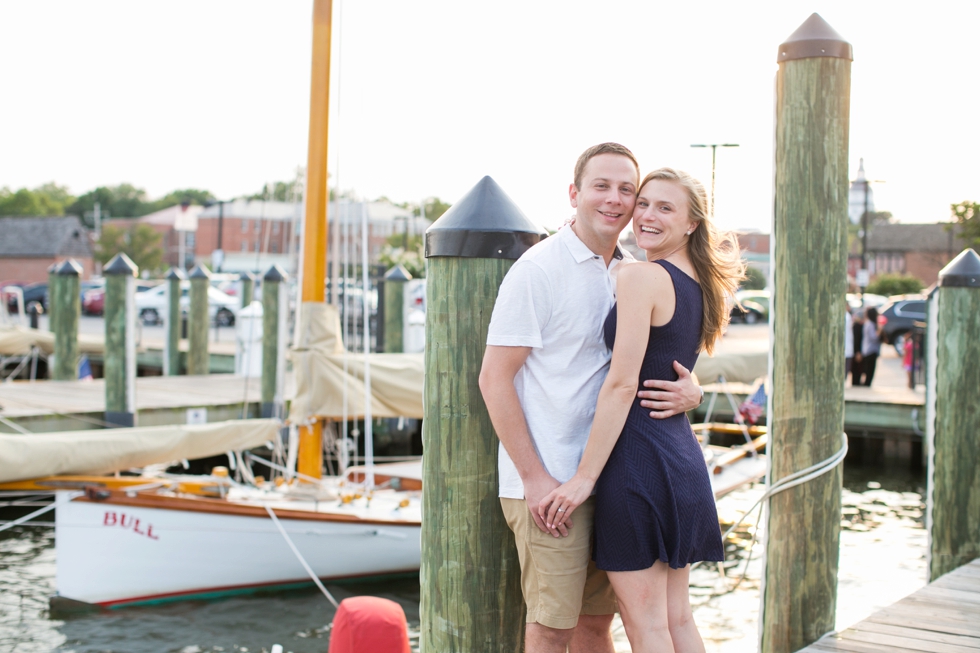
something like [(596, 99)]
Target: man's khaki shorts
[(558, 577)]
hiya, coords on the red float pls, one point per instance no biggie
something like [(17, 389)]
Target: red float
[(369, 624)]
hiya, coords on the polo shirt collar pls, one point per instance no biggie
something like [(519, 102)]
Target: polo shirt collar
[(579, 250)]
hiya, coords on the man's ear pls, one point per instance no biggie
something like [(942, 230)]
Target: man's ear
[(573, 195)]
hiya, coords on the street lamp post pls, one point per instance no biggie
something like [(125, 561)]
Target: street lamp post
[(714, 151)]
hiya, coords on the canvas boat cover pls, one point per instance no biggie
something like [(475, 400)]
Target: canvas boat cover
[(108, 450), (321, 381), (17, 341)]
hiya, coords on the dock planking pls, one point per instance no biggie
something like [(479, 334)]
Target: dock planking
[(942, 617), (45, 406)]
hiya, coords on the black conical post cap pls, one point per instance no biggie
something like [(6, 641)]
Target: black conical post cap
[(121, 264), (963, 271), (67, 268), (176, 274), (485, 223), (199, 272), (275, 274), (246, 276), (815, 38), (398, 273)]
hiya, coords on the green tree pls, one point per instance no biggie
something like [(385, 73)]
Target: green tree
[(894, 284), (45, 200), (173, 198), (122, 201), (412, 257), (966, 216), (754, 279), (139, 242), (434, 208), (281, 191)]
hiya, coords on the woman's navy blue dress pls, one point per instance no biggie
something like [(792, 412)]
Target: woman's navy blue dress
[(653, 498)]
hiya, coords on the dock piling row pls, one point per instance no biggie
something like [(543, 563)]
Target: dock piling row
[(394, 308), (173, 323), (64, 294), (273, 308), (198, 361), (119, 367)]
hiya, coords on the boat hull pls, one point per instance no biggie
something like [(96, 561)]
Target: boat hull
[(114, 554)]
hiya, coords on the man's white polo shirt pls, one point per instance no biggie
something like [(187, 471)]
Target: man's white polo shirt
[(555, 299)]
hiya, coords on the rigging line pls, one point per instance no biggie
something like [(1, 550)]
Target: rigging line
[(36, 513), (284, 470), (302, 560), (366, 320), (14, 425)]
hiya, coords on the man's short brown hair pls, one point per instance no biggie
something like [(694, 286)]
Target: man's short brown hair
[(596, 150)]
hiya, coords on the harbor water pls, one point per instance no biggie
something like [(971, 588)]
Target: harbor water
[(882, 559)]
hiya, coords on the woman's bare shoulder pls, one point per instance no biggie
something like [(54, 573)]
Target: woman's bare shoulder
[(642, 278)]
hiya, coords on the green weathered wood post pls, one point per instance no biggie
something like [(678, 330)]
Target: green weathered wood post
[(120, 341), (172, 326), (953, 416), (248, 287), (64, 287), (807, 371), (471, 593), (198, 358), (273, 327), (394, 308)]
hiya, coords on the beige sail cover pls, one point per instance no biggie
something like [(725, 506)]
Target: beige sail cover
[(318, 362), (17, 341), (103, 451)]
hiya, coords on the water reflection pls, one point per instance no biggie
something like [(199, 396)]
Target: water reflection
[(883, 548)]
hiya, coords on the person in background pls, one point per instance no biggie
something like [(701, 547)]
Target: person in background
[(907, 363), (870, 343), (857, 333)]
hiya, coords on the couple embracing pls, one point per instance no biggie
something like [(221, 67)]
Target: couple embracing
[(607, 494)]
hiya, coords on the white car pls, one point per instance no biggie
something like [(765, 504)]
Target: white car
[(151, 305)]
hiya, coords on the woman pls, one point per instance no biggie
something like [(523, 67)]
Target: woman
[(655, 512), (857, 366), (870, 344)]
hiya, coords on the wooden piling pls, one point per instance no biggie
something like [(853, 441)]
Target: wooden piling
[(198, 361), (119, 367), (64, 300), (394, 308), (471, 594), (173, 323), (807, 370), (273, 310), (248, 288), (953, 420)]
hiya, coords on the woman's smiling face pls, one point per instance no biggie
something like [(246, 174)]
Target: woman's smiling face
[(660, 218)]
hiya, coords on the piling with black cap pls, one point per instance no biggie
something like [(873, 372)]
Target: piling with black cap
[(120, 341), (273, 327), (471, 594), (953, 416), (394, 308), (172, 325), (198, 358), (807, 371), (64, 299), (248, 287)]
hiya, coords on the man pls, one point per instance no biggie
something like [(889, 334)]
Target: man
[(544, 365)]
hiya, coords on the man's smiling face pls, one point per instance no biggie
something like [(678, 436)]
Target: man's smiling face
[(604, 203)]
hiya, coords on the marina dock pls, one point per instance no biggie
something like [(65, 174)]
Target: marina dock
[(942, 617)]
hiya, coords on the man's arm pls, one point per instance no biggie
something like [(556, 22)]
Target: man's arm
[(500, 367), (668, 398)]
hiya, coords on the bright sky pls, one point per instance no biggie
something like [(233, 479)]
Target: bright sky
[(434, 94)]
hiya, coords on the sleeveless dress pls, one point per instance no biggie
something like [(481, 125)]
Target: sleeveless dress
[(653, 498)]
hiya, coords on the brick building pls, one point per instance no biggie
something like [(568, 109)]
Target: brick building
[(919, 250), (29, 246)]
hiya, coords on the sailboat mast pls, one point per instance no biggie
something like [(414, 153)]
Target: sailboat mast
[(310, 459)]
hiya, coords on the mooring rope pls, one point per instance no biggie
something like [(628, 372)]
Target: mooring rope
[(302, 560), (37, 513)]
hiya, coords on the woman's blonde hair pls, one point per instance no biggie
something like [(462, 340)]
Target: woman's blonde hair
[(714, 255)]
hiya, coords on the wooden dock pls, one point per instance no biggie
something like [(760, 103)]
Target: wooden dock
[(45, 406), (942, 617)]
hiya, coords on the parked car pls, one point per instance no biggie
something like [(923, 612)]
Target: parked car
[(151, 305), (93, 300), (759, 297), (34, 293), (749, 312), (897, 317), (860, 302)]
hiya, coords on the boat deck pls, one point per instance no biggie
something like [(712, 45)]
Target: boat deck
[(942, 617)]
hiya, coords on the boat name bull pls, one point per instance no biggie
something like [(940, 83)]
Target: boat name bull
[(112, 518)]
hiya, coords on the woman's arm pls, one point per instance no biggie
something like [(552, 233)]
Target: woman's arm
[(636, 289)]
